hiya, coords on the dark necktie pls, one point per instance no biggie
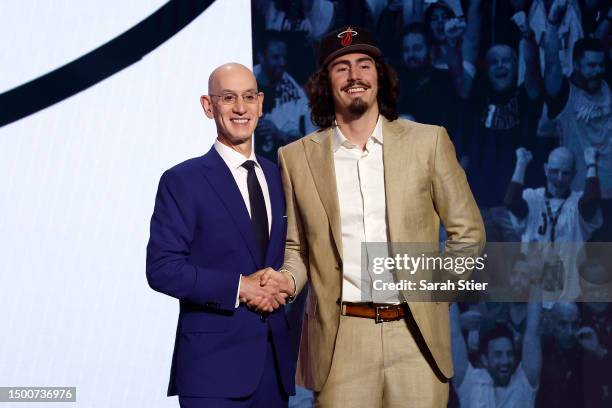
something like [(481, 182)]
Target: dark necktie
[(259, 215)]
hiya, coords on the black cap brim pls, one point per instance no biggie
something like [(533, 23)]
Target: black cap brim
[(364, 48)]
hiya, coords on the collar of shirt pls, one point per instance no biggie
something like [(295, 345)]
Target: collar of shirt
[(232, 158), (341, 140)]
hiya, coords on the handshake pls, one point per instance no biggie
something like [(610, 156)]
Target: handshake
[(266, 290)]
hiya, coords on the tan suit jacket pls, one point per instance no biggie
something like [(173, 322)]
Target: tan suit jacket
[(423, 183)]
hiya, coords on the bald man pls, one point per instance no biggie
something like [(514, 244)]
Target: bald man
[(555, 214), (217, 228)]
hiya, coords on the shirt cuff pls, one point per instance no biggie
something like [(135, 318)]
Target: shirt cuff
[(238, 292), (290, 299)]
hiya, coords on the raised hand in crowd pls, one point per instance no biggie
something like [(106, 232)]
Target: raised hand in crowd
[(557, 11), (588, 339), (553, 73), (520, 19), (530, 54), (523, 158), (470, 320), (590, 156), (454, 30)]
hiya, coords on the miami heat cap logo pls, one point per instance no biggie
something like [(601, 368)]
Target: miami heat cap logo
[(346, 36)]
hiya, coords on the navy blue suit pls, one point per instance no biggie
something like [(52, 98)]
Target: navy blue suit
[(201, 241)]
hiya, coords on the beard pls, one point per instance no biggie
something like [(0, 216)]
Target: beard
[(593, 85), (358, 107)]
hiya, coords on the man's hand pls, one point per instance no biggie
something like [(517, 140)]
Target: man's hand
[(454, 29), (520, 19), (557, 12), (470, 320), (590, 156), (523, 157), (262, 298), (285, 282), (587, 337)]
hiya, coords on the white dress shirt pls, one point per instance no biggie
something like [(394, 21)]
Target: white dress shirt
[(360, 181), (234, 161)]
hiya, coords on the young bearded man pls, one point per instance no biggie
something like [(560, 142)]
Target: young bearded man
[(367, 176)]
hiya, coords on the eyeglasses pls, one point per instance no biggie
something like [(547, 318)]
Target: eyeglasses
[(232, 98)]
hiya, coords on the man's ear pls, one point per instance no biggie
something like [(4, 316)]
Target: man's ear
[(207, 105), (261, 100)]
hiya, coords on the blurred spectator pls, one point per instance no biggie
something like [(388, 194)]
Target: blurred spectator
[(565, 16), (286, 115), (573, 356), (596, 17), (314, 17), (502, 382), (517, 323), (497, 26), (555, 214), (502, 117), (562, 381), (453, 43), (427, 94), (383, 18), (520, 277), (581, 107), (414, 10), (597, 319)]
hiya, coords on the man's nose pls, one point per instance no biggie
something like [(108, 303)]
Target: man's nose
[(239, 106)]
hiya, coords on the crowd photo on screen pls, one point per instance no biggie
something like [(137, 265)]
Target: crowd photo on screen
[(523, 89)]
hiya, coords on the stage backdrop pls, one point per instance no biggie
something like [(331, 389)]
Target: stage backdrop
[(78, 181)]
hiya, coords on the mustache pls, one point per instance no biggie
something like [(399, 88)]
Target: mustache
[(352, 84)]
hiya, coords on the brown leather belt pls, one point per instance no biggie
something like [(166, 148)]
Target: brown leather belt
[(377, 311)]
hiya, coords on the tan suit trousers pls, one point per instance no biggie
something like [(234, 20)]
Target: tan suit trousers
[(379, 365)]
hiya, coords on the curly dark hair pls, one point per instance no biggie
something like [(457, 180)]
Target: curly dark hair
[(321, 101)]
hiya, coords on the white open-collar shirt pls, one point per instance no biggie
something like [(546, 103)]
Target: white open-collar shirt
[(360, 181)]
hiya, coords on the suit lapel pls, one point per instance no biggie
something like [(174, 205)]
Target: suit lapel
[(320, 158), (220, 178), (276, 200), (394, 158)]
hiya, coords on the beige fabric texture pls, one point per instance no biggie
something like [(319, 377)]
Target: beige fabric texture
[(379, 365), (424, 184)]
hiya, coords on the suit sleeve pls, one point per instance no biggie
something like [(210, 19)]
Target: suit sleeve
[(169, 269), (296, 255), (455, 203)]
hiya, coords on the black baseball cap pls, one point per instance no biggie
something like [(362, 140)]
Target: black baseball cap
[(346, 40)]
